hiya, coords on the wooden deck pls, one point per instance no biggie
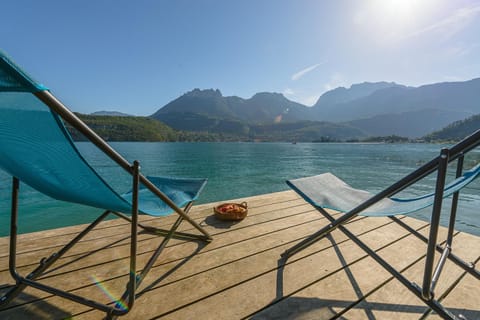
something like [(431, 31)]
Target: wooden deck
[(239, 274)]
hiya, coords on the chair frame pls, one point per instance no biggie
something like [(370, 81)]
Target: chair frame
[(126, 302), (430, 275)]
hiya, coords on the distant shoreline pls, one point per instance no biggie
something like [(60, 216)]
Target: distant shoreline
[(147, 129)]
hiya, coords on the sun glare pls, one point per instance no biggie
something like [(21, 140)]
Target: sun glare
[(387, 21), (398, 7), (398, 11)]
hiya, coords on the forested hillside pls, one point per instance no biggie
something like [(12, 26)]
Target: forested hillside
[(457, 130)]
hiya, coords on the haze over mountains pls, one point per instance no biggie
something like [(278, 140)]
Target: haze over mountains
[(110, 113), (366, 109)]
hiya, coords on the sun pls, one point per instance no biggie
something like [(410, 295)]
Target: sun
[(390, 23), (398, 7), (390, 20)]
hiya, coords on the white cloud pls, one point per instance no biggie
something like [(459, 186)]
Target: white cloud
[(304, 71), (451, 24), (456, 51)]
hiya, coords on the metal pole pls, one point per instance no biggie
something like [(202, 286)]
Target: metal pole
[(433, 304), (439, 268), (54, 104), (464, 146), (453, 212), (158, 251), (133, 241), (451, 229), (466, 266), (456, 151), (12, 258), (132, 283), (14, 229), (434, 224), (418, 174)]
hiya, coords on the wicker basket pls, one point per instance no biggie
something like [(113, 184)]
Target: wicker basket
[(231, 211)]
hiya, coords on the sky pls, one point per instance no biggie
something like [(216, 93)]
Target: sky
[(137, 56)]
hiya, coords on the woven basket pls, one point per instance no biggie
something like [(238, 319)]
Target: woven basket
[(231, 211)]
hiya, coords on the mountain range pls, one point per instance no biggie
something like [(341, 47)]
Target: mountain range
[(110, 113), (365, 109)]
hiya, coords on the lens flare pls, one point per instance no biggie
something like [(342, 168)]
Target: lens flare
[(100, 284)]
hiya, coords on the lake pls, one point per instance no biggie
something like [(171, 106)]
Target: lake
[(237, 170)]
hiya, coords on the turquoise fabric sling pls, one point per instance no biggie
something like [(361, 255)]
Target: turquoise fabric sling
[(36, 147), (328, 191)]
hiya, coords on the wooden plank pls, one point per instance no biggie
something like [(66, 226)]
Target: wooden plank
[(464, 300), (198, 211), (402, 304), (114, 233), (309, 266), (144, 246), (176, 254), (287, 224), (341, 290), (240, 273)]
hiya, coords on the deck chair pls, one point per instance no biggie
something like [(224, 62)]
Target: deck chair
[(36, 149), (326, 191)]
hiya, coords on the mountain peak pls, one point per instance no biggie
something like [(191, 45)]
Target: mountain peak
[(373, 85), (356, 91), (268, 94), (375, 107), (204, 93)]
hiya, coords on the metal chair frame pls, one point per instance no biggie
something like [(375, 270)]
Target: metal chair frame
[(128, 297), (431, 275)]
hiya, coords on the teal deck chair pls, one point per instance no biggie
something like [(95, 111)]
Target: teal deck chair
[(326, 191), (36, 149)]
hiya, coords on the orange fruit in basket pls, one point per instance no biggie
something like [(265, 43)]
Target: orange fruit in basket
[(231, 211)]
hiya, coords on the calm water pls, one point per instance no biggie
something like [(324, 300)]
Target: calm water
[(244, 169)]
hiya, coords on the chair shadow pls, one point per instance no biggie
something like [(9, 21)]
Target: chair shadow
[(43, 307), (289, 307), (27, 306), (158, 281), (299, 308)]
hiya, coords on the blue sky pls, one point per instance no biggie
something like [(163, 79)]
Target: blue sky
[(136, 56)]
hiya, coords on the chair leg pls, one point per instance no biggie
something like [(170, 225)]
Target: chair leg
[(433, 304), (427, 290), (45, 263), (466, 266), (171, 234), (126, 302), (14, 291), (453, 210)]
